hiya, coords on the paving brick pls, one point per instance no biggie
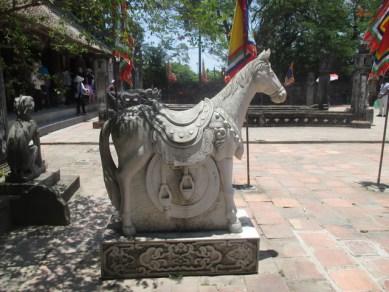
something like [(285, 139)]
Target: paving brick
[(256, 198), (331, 258), (188, 283), (367, 224), (383, 242), (343, 231), (336, 202), (353, 280), (267, 265), (234, 282), (268, 216), (361, 248), (239, 202), (286, 202), (298, 269), (286, 248), (386, 285), (266, 283), (379, 268), (206, 288), (317, 240), (305, 224), (232, 289), (309, 286), (277, 231)]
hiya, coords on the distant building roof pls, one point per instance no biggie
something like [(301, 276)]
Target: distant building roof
[(50, 17)]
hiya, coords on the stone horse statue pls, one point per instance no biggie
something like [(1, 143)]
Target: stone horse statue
[(23, 143), (183, 160)]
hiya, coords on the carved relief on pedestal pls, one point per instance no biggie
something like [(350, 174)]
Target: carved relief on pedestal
[(161, 258)]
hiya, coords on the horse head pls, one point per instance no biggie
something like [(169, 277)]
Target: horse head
[(266, 80)]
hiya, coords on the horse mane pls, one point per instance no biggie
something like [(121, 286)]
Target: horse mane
[(243, 76)]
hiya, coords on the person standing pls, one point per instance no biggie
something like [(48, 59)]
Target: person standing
[(81, 93), (383, 98)]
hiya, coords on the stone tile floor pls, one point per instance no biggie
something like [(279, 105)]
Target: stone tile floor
[(321, 230)]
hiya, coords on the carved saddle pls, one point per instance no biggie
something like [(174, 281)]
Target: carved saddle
[(182, 137)]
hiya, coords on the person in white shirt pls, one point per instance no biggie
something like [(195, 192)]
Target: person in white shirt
[(383, 98), (81, 93)]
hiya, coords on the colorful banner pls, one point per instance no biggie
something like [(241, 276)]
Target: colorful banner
[(124, 43), (377, 39), (241, 49)]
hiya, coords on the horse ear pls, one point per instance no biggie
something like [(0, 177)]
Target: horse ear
[(267, 54), (262, 55)]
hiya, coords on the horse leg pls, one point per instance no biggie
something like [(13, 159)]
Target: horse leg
[(126, 172), (225, 169)]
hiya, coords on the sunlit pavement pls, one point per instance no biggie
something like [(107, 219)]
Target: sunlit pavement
[(321, 230)]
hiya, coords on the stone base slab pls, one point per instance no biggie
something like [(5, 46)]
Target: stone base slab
[(179, 254), (42, 201)]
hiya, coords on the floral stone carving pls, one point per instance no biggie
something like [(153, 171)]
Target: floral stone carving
[(155, 255)]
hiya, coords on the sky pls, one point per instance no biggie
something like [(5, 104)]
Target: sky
[(210, 61)]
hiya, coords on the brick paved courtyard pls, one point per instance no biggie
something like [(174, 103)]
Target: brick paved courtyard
[(321, 230)]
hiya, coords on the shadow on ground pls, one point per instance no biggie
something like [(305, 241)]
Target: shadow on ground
[(62, 257)]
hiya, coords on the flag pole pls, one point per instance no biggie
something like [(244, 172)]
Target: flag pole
[(199, 56), (247, 150), (383, 143)]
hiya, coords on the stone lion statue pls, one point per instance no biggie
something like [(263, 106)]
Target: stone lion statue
[(23, 143)]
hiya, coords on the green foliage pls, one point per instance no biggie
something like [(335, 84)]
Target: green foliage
[(309, 32), (154, 69), (184, 73), (178, 21), (20, 44)]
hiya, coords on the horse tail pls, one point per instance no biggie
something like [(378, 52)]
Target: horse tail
[(109, 167)]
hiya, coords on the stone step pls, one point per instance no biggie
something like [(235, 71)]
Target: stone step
[(42, 201), (67, 186)]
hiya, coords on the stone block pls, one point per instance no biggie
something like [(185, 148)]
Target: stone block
[(42, 201), (190, 253), (5, 217)]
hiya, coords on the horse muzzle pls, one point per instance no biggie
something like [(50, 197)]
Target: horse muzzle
[(279, 96)]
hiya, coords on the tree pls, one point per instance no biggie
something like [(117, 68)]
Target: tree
[(154, 68), (176, 22), (308, 32), (184, 73)]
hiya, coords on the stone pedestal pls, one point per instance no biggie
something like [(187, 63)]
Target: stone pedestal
[(190, 253), (42, 201), (359, 99)]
